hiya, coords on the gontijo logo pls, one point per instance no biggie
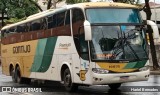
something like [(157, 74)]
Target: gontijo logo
[(21, 49)]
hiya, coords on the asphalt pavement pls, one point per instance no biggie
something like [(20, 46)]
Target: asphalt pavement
[(150, 87)]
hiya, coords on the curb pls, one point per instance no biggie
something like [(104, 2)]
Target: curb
[(155, 72)]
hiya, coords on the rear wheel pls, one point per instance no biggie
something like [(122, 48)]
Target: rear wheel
[(115, 85), (69, 86), (18, 77), (12, 73)]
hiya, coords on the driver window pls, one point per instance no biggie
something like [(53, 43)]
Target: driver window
[(78, 33)]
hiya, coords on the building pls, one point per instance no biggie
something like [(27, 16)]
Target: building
[(43, 4), (155, 9)]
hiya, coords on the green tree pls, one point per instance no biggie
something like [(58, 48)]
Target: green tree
[(19, 9), (52, 3), (76, 1)]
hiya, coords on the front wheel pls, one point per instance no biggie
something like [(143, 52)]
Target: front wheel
[(18, 76), (115, 85), (69, 86)]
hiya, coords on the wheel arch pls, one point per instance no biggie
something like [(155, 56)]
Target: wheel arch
[(64, 66), (11, 67), (20, 68), (17, 65)]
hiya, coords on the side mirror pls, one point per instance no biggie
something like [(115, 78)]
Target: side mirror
[(87, 30), (155, 29)]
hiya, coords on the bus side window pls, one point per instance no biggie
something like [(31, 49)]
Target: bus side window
[(60, 29), (60, 19), (67, 17), (77, 20), (6, 33), (28, 27), (44, 23), (78, 33), (67, 24), (51, 21), (35, 25), (11, 31), (21, 28)]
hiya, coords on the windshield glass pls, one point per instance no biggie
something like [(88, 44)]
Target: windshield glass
[(118, 43), (108, 15)]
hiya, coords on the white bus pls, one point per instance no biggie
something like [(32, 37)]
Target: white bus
[(82, 44)]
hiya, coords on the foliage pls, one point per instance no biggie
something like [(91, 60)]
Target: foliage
[(52, 3), (76, 1), (14, 20), (18, 9)]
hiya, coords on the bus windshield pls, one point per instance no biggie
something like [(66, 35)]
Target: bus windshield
[(125, 43), (107, 15)]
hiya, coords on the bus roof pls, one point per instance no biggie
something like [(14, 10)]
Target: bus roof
[(78, 5), (105, 4)]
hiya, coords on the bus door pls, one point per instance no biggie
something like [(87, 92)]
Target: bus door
[(84, 55), (80, 60)]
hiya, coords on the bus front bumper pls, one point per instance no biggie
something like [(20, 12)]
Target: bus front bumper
[(100, 79)]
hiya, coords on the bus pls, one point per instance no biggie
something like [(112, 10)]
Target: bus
[(94, 43)]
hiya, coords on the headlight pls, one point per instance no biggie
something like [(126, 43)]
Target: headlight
[(100, 70), (144, 68)]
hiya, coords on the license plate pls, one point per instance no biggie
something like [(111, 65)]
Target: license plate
[(124, 77)]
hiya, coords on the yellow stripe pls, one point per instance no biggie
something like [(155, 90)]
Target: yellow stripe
[(115, 67), (15, 54)]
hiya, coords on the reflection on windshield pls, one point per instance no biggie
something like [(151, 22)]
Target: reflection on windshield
[(107, 15), (118, 43)]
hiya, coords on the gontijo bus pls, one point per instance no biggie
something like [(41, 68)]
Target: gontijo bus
[(82, 44)]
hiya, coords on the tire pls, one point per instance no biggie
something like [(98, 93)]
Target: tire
[(18, 77), (69, 86), (12, 73), (26, 80), (115, 85)]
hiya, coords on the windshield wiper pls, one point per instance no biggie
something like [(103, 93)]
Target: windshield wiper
[(133, 50), (127, 43), (123, 41)]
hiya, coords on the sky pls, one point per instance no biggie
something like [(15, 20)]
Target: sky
[(156, 1)]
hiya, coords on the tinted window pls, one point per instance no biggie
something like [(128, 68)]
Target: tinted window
[(77, 20), (60, 19), (77, 15), (28, 27), (67, 19), (21, 28), (78, 33), (51, 21), (36, 25), (44, 23)]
